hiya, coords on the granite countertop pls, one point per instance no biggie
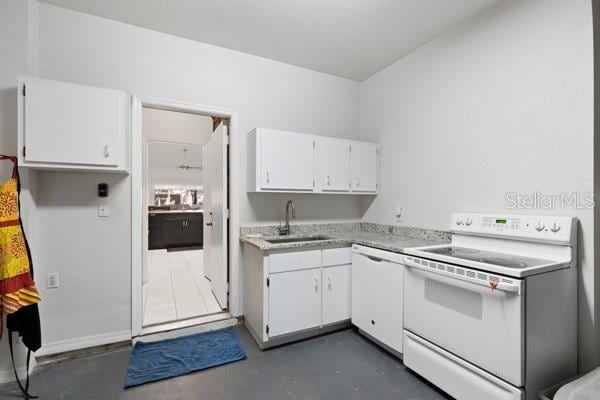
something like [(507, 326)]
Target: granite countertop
[(174, 211), (385, 237)]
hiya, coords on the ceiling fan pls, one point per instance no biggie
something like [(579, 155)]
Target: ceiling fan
[(184, 165)]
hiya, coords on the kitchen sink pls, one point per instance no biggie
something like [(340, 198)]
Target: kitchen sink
[(297, 239)]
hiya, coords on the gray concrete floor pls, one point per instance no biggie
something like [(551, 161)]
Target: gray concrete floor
[(341, 365)]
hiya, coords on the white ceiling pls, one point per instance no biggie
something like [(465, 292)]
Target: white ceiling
[(170, 155), (348, 38)]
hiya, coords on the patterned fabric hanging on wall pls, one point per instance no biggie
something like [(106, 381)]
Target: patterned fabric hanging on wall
[(19, 296), (17, 288)]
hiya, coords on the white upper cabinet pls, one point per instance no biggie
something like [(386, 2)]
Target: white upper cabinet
[(280, 161), (68, 126), (333, 165), (363, 167), (284, 160)]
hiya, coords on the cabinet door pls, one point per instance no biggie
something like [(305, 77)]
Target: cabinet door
[(174, 232), (73, 124), (156, 236), (294, 301), (286, 160), (363, 167), (337, 293), (333, 165), (377, 299), (194, 230)]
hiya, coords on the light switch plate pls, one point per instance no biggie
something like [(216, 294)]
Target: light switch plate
[(52, 280), (103, 211)]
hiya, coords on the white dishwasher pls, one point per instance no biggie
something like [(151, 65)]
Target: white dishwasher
[(377, 295)]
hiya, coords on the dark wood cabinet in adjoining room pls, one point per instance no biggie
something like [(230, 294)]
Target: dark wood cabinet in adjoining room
[(175, 229)]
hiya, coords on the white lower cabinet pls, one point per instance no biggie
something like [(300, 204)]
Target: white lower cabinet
[(295, 294), (337, 293), (294, 301), (377, 296)]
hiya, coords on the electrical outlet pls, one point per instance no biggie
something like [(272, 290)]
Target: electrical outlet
[(51, 280), (103, 211), (399, 213)]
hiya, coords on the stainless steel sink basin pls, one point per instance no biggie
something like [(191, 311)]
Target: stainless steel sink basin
[(297, 239)]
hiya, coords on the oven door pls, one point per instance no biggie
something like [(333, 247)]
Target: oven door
[(466, 316)]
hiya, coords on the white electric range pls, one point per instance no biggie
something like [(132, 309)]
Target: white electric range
[(493, 315)]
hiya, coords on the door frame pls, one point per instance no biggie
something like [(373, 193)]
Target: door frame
[(137, 140)]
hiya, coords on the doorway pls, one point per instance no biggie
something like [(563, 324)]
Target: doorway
[(183, 211)]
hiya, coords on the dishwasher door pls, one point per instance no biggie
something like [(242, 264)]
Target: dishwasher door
[(467, 316), (377, 295)]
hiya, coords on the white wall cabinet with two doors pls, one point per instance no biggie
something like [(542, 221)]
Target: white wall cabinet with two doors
[(282, 161), (72, 127), (289, 294)]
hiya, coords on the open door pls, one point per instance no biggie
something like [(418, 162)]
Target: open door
[(214, 154), (145, 197)]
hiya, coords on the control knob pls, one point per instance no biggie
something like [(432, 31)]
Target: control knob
[(555, 227), (459, 221), (468, 221), (540, 226)]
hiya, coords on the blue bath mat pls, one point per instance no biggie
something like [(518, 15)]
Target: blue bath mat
[(174, 357)]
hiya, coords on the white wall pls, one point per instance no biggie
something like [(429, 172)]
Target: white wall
[(176, 127), (502, 103), (93, 301), (92, 254), (13, 48)]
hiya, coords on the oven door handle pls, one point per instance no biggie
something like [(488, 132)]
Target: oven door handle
[(493, 286)]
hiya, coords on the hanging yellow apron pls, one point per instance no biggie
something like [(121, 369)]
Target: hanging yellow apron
[(17, 288)]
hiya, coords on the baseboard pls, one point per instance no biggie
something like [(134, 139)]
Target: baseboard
[(8, 375), (83, 342), (62, 346)]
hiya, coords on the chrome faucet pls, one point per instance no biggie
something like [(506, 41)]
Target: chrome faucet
[(285, 230)]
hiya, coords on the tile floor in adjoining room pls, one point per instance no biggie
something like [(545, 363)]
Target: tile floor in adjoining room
[(177, 288)]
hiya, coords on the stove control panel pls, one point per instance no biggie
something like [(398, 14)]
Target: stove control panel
[(543, 228)]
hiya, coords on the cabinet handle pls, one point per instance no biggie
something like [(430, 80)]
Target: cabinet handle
[(328, 180), (329, 281), (106, 151), (268, 177), (357, 182), (316, 284)]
